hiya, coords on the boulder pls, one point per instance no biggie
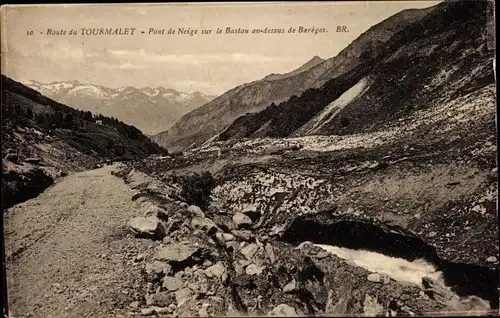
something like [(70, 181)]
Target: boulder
[(173, 283), (216, 270), (163, 299), (245, 235), (204, 224), (154, 311), (196, 211), (283, 310), (207, 263), (228, 237), (175, 252), (290, 287), (241, 220), (148, 227), (233, 312), (137, 180), (224, 237), (374, 277), (184, 295), (491, 259), (238, 268), (157, 269), (253, 269), (249, 250)]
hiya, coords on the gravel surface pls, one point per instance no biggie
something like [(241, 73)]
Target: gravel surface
[(68, 252)]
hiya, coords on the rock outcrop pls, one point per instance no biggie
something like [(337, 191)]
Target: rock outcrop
[(198, 271)]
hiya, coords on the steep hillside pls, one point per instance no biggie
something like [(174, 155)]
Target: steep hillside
[(415, 183), (421, 188), (151, 109), (194, 128), (435, 60), (308, 65), (42, 139)]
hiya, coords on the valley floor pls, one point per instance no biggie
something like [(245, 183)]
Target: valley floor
[(67, 250)]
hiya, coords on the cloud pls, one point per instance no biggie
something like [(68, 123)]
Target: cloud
[(54, 52), (196, 59), (121, 66), (192, 85), (128, 66), (206, 72)]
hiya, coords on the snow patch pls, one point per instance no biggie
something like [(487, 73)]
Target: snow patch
[(336, 106), (88, 90)]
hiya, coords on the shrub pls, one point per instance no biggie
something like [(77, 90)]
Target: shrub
[(345, 122), (196, 188), (29, 113)]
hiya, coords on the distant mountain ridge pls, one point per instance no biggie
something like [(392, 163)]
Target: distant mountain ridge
[(309, 64), (207, 121), (151, 109)]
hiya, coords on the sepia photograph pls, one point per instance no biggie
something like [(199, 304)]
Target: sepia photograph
[(249, 159)]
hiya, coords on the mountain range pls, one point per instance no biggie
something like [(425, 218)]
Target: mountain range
[(205, 123), (151, 109)]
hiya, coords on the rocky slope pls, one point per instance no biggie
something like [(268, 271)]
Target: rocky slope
[(433, 61), (290, 231), (151, 109), (198, 126), (42, 139), (412, 184)]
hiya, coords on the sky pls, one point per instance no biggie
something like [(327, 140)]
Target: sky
[(211, 64)]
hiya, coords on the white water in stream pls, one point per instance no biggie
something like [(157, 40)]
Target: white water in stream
[(402, 270), (398, 269)]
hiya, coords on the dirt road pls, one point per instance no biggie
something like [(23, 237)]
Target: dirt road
[(68, 251)]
